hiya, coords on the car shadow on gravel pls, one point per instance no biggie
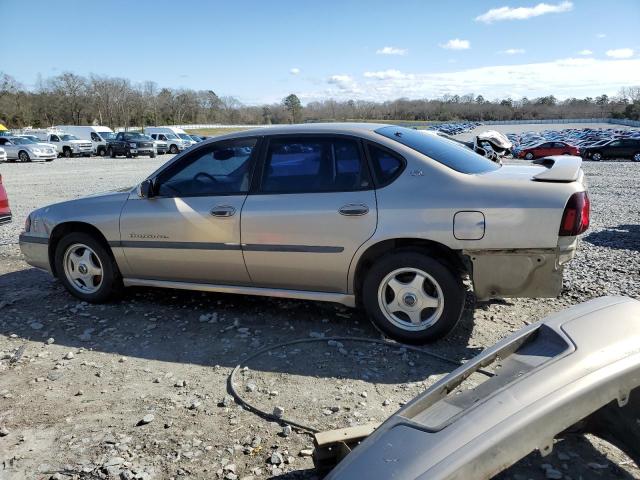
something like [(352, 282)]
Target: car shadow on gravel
[(622, 237), (211, 329)]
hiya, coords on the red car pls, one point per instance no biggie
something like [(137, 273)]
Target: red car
[(548, 148), (5, 211)]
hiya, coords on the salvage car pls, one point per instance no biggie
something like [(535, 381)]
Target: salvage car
[(5, 211), (378, 216), (546, 149), (131, 144), (575, 372), (619, 148), (25, 150)]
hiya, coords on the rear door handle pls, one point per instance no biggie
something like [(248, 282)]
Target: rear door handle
[(223, 211), (354, 209)]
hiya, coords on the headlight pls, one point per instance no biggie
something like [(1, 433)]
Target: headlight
[(133, 145), (36, 150)]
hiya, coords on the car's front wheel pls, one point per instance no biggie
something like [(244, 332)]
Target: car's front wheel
[(86, 268), (23, 156), (529, 156), (412, 297), (111, 152), (636, 157), (173, 149), (66, 152)]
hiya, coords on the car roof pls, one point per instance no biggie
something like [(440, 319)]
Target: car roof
[(344, 128)]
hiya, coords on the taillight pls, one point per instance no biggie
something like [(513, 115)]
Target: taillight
[(575, 219)]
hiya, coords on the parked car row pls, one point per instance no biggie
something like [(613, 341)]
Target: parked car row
[(455, 128), (591, 143), (31, 144)]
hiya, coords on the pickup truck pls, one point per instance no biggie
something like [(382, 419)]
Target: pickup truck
[(131, 144), (66, 145)]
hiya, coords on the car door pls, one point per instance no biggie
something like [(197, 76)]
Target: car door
[(9, 148), (544, 150), (189, 229), (314, 206), (614, 149)]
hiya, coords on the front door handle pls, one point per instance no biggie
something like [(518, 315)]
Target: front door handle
[(223, 211), (354, 209)]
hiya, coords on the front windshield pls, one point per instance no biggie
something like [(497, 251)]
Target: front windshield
[(107, 135), (136, 135), (21, 141), (66, 138), (446, 152), (184, 136), (170, 136)]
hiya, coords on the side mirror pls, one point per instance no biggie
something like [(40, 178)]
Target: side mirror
[(145, 189)]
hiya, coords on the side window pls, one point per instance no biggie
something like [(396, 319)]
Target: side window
[(386, 165), (309, 164), (616, 143), (162, 137), (219, 169), (95, 137), (559, 145), (54, 138)]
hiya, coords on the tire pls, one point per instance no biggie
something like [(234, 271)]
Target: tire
[(89, 253), (111, 152), (636, 157), (440, 284), (596, 156), (153, 155), (102, 152), (49, 160), (66, 152), (529, 156), (173, 149), (128, 154), (23, 156)]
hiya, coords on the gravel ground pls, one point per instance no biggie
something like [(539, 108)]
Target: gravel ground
[(138, 388)]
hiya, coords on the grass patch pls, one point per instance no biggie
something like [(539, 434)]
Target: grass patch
[(214, 132)]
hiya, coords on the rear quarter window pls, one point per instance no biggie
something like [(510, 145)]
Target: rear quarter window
[(442, 150)]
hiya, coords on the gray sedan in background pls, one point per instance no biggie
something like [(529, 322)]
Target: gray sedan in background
[(383, 217), (26, 150)]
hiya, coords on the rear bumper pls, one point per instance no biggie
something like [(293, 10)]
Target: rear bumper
[(35, 250), (532, 273), (5, 218)]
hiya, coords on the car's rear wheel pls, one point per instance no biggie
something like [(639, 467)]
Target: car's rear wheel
[(529, 156), (23, 156), (636, 157), (596, 156), (173, 149), (86, 268), (412, 297)]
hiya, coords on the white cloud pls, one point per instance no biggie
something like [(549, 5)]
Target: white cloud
[(601, 35), (294, 71), (620, 53), (522, 13), (392, 51), (344, 82), (456, 44), (586, 51), (513, 51), (388, 74), (568, 77)]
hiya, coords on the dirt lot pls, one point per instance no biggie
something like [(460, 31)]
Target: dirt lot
[(76, 380)]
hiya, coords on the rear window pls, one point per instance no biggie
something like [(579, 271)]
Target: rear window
[(446, 152)]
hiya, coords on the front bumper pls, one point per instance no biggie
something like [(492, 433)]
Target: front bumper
[(35, 249), (43, 156)]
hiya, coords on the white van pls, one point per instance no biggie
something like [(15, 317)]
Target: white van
[(98, 136), (176, 138)]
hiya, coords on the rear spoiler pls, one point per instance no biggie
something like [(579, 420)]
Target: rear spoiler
[(560, 168)]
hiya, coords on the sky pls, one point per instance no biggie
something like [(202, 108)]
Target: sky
[(261, 51)]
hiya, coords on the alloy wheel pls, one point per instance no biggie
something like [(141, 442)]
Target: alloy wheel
[(411, 299), (83, 268)]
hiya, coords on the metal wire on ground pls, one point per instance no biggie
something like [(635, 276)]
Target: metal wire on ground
[(269, 416)]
